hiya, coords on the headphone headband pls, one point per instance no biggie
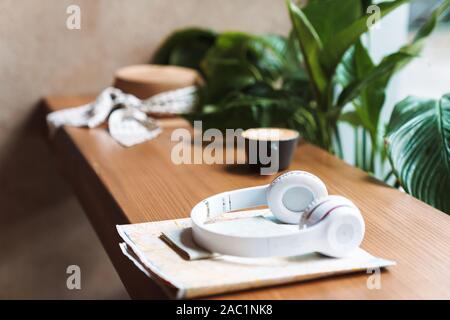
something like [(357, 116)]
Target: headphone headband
[(245, 246)]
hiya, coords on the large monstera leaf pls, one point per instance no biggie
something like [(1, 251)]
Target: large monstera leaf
[(418, 145)]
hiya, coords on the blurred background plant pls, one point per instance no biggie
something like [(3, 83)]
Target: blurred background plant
[(317, 77), (364, 85), (250, 80)]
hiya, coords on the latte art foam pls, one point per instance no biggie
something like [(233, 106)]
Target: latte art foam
[(270, 134)]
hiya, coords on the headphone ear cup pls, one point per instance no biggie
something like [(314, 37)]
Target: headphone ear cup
[(341, 223), (322, 207), (290, 194)]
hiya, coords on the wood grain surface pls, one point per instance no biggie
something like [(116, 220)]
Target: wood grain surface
[(119, 185)]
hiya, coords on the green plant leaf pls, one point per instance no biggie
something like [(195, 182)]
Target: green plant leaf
[(257, 105), (228, 75), (238, 60), (418, 145), (335, 48), (268, 53), (385, 68), (346, 71), (428, 27), (415, 47), (185, 48), (352, 118), (265, 53), (357, 64), (328, 17), (366, 83), (311, 47)]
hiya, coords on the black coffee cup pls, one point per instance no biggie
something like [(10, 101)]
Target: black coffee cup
[(270, 149)]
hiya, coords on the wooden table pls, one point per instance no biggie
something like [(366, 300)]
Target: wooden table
[(117, 185)]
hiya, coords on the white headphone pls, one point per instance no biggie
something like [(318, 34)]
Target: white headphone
[(331, 225)]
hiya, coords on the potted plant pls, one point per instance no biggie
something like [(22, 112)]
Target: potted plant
[(318, 76)]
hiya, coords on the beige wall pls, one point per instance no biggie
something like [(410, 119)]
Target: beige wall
[(42, 228), (40, 56)]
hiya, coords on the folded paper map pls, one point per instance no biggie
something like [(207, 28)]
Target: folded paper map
[(165, 252)]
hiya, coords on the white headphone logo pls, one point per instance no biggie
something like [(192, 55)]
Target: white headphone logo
[(331, 225)]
